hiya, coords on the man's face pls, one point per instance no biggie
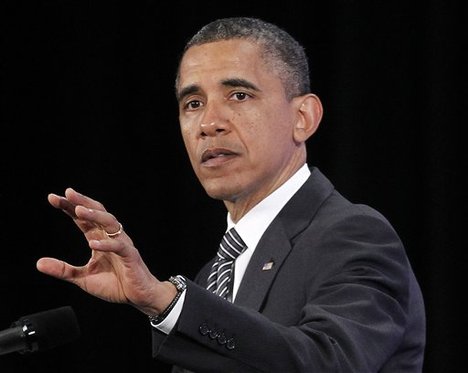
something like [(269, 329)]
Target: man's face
[(236, 121)]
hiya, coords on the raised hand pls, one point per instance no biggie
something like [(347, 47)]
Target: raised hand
[(115, 271)]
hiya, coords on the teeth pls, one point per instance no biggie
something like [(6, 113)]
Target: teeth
[(217, 155)]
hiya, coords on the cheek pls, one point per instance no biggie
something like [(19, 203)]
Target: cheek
[(267, 133)]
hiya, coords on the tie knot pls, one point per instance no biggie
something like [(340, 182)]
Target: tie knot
[(231, 245)]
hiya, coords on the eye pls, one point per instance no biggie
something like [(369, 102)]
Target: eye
[(240, 96), (193, 105)]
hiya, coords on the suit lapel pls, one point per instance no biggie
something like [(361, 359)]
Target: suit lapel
[(278, 240), (263, 267)]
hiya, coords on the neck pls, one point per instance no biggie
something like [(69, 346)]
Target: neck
[(239, 206)]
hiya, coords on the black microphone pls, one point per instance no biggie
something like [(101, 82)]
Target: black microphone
[(40, 331)]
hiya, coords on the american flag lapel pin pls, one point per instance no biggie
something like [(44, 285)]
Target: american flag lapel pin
[(268, 265)]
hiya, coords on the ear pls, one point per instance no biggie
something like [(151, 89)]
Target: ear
[(309, 114)]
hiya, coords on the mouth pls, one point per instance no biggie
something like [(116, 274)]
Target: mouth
[(216, 156)]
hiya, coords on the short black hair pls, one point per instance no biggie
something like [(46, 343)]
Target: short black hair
[(280, 50)]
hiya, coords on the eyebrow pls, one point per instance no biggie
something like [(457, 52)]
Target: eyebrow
[(232, 82), (192, 88), (239, 82)]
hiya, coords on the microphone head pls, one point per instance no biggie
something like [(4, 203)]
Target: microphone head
[(48, 329)]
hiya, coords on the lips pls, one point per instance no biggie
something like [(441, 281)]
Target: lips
[(216, 155)]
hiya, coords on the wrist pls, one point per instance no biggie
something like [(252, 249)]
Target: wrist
[(180, 285)]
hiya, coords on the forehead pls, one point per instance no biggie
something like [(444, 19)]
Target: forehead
[(220, 60)]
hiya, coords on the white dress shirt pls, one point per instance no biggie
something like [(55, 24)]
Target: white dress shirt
[(251, 228)]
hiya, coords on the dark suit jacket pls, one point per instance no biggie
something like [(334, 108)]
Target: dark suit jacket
[(340, 297)]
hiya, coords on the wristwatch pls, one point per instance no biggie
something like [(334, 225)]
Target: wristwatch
[(180, 284)]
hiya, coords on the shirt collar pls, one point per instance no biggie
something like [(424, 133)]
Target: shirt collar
[(253, 224)]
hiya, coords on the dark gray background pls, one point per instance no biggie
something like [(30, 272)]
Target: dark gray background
[(87, 101)]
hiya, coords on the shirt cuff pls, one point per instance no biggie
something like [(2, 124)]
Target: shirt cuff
[(170, 320)]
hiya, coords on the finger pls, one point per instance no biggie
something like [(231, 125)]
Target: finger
[(56, 268), (62, 203), (77, 198), (103, 220), (94, 226), (69, 208)]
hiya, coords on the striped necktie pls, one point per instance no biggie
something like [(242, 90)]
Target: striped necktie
[(220, 278)]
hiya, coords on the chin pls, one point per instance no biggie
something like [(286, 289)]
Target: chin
[(219, 189), (221, 195)]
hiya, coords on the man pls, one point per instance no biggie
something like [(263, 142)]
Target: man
[(319, 284)]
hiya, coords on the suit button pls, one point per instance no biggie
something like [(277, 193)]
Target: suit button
[(222, 339), (204, 329), (213, 334), (230, 344)]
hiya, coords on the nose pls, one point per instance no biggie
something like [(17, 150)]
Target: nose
[(212, 122), (211, 129)]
